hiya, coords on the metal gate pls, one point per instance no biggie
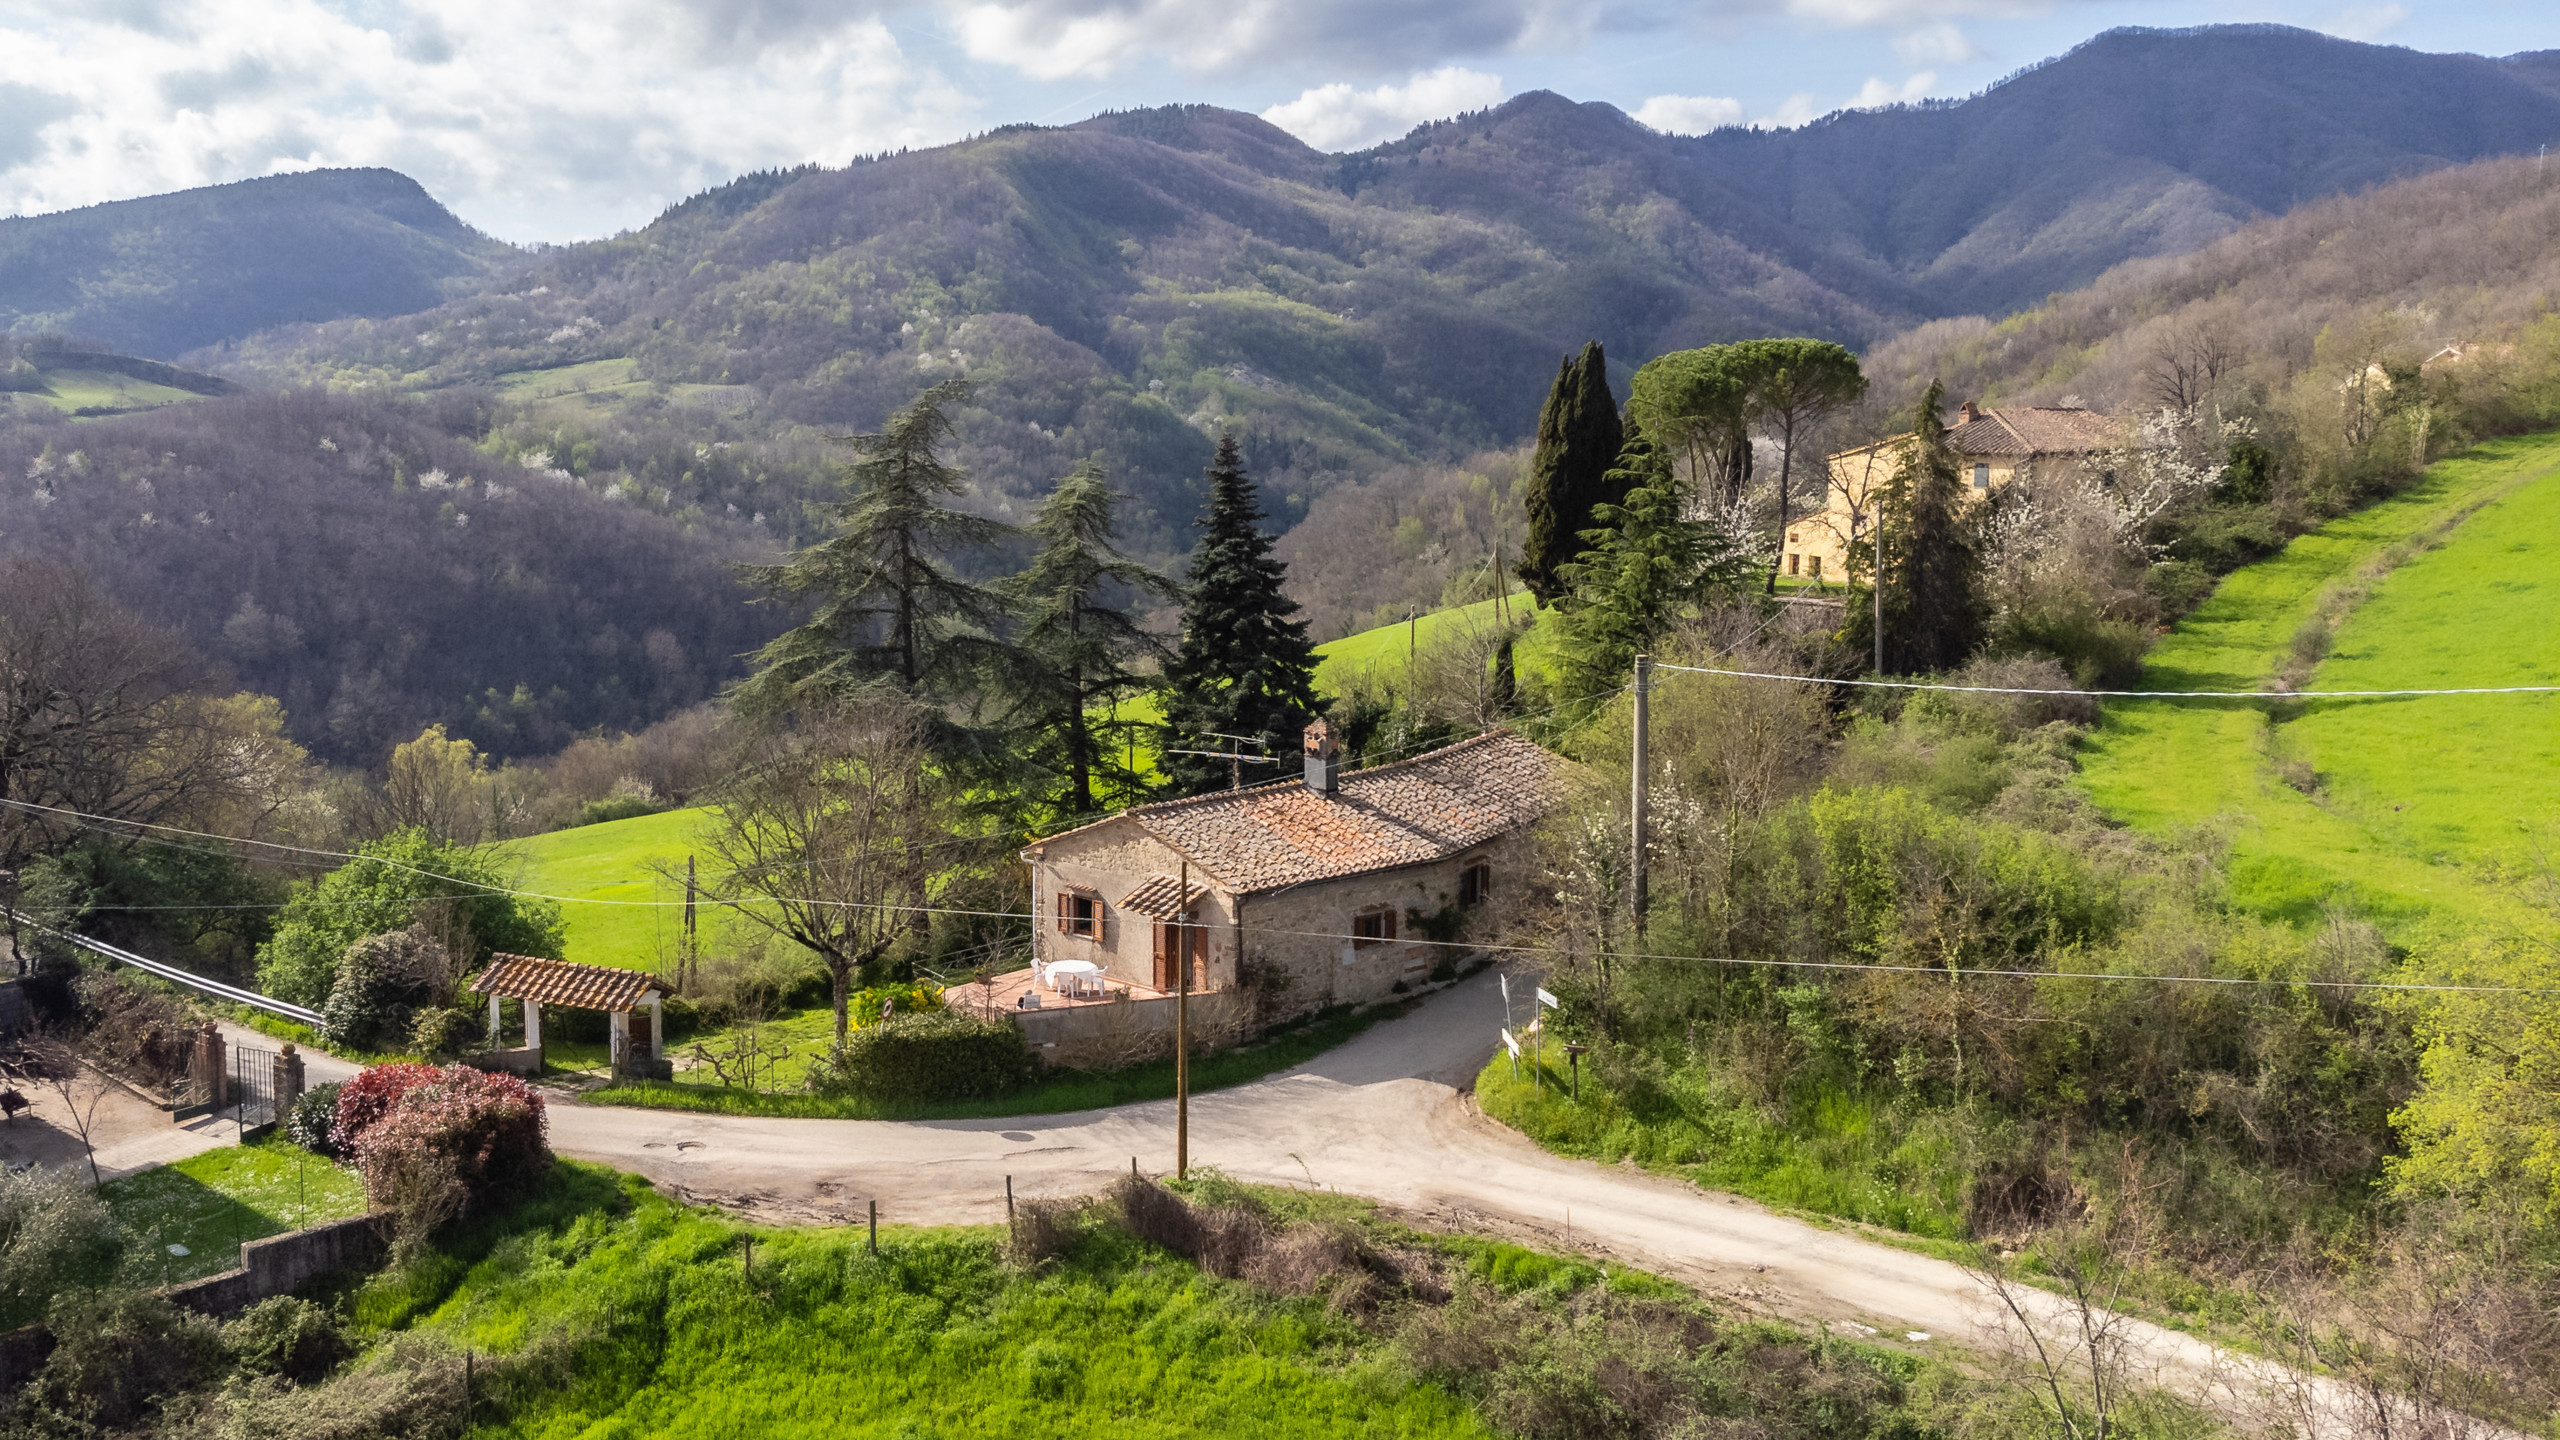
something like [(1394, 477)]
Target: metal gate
[(250, 1096)]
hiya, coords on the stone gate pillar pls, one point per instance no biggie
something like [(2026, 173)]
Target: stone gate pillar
[(210, 1070), (288, 1078)]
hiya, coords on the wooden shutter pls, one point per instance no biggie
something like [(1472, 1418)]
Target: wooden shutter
[(1066, 912), (1387, 925), (1167, 938)]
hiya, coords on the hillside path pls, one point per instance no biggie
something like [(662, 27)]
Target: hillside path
[(1388, 1115)]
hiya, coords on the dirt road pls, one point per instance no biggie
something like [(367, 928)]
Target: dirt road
[(1386, 1116)]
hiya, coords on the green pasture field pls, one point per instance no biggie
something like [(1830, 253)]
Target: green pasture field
[(212, 1202), (601, 1309), (595, 866), (603, 384), (1384, 650), (2459, 608), (72, 390)]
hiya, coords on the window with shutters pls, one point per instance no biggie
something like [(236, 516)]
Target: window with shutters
[(1373, 927), (1475, 883), (1079, 914)]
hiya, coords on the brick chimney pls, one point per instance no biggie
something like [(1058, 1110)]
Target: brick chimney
[(1324, 768), (1966, 414)]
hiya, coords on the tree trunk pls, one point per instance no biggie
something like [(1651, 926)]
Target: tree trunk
[(840, 994)]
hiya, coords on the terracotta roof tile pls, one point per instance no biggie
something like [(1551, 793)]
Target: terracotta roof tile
[(1428, 808), (1155, 899), (560, 982), (2023, 431)]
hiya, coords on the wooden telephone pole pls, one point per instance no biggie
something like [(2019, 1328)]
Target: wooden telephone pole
[(1643, 768), (1182, 1025)]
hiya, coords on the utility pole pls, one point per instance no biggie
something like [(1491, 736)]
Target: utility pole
[(686, 966), (1644, 765), (1182, 1025), (1879, 585)]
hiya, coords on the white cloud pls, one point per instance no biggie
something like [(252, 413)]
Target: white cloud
[(1054, 39), (2367, 22), (1880, 91), (532, 121), (1938, 44), (1688, 114), (1338, 117)]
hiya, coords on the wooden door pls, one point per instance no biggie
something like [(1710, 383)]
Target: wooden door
[(639, 1035)]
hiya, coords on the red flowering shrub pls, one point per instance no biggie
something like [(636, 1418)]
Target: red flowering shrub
[(370, 1096), (483, 1135)]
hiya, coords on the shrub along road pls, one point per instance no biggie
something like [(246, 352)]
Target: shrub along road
[(1386, 1116)]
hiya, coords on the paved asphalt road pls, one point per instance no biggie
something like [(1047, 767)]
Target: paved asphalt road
[(1389, 1116)]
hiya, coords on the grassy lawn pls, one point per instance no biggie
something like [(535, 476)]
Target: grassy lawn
[(2168, 765), (607, 863), (1053, 1092), (211, 1202)]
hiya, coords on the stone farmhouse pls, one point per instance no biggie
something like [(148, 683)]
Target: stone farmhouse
[(1995, 447), (1323, 891)]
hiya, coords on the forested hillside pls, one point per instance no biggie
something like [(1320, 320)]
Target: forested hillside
[(1129, 285), (168, 273), (376, 573)]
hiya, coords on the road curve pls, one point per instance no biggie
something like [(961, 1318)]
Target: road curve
[(1389, 1116)]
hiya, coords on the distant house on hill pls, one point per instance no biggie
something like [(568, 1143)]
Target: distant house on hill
[(1994, 447), (1320, 891)]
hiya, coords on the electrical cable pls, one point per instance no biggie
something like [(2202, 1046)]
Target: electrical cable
[(2118, 694)]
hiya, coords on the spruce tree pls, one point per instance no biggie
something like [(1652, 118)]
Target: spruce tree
[(1075, 651), (1578, 443), (885, 603), (1934, 607), (1245, 666)]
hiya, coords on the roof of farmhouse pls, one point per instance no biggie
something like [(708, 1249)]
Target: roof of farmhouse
[(1431, 807), (2019, 432)]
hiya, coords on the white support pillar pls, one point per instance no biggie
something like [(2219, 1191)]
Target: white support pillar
[(532, 1025), (496, 1027), (657, 1030), (618, 1043)]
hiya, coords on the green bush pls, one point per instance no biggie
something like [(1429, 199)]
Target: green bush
[(617, 807), (382, 984), (382, 893), (936, 1055), (443, 1031), (312, 1123), (287, 1336), (56, 1236)]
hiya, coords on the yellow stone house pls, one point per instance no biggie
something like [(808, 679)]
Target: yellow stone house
[(1993, 446)]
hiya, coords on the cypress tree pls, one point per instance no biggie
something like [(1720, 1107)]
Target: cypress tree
[(886, 605), (1075, 650), (1579, 438), (1245, 666), (1934, 608)]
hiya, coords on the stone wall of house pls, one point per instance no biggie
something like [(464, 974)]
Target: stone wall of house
[(1300, 962), (1109, 863)]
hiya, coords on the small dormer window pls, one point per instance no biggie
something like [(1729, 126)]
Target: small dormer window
[(1982, 477)]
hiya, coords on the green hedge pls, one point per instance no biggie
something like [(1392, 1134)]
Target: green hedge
[(932, 1055)]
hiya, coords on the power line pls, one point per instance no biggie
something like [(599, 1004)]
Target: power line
[(2122, 694), (1748, 962)]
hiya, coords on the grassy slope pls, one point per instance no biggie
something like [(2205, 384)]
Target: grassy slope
[(597, 864), (211, 1202), (71, 390), (2170, 764), (668, 1336), (1384, 649)]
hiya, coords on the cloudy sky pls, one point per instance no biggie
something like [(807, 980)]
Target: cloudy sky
[(545, 120)]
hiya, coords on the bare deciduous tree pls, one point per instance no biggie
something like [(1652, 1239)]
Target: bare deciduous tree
[(832, 829), (56, 1064)]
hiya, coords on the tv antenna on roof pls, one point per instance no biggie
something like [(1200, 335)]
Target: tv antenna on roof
[(1236, 759)]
